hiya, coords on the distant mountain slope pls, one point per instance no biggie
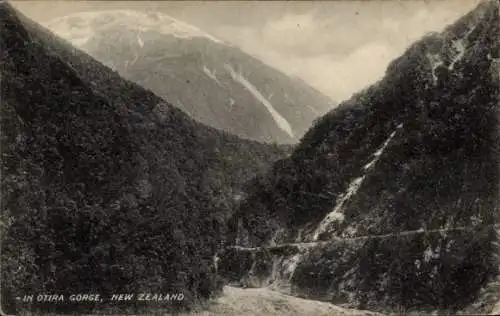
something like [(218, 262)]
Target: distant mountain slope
[(213, 82), (106, 188), (416, 152)]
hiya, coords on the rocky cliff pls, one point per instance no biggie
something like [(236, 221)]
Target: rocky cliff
[(396, 191)]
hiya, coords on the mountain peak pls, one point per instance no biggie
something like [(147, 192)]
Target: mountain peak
[(234, 91), (79, 28)]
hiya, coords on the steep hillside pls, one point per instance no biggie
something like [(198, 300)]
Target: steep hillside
[(400, 182), (212, 81), (105, 187)]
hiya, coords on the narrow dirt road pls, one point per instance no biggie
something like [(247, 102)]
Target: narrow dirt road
[(305, 245)]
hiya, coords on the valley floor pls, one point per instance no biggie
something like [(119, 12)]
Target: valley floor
[(265, 302)]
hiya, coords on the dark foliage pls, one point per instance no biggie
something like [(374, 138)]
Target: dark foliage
[(447, 145), (440, 169), (421, 272), (106, 188)]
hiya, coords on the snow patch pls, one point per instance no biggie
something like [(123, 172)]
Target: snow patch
[(459, 47), (80, 27), (211, 74), (435, 61), (372, 163), (379, 152), (140, 41), (336, 215), (280, 120)]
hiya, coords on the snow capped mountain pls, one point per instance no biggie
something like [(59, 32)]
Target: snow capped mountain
[(395, 192), (81, 26), (210, 80)]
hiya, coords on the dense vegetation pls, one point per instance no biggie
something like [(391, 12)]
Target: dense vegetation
[(439, 171), (106, 188), (447, 145)]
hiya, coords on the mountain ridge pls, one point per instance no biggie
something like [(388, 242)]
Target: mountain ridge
[(416, 151), (105, 186), (234, 91)]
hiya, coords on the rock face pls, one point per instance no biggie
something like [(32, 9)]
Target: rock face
[(106, 188), (399, 186), (213, 82)]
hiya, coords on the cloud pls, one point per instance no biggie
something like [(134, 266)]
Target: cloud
[(299, 33), (336, 76), (339, 53), (300, 45), (339, 47)]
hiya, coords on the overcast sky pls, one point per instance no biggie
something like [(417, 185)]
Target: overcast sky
[(339, 47)]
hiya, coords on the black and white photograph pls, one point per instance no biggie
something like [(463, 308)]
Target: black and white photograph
[(250, 158)]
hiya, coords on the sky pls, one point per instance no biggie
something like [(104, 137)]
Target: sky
[(338, 47)]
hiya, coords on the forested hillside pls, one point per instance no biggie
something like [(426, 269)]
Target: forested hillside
[(106, 187), (398, 187)]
